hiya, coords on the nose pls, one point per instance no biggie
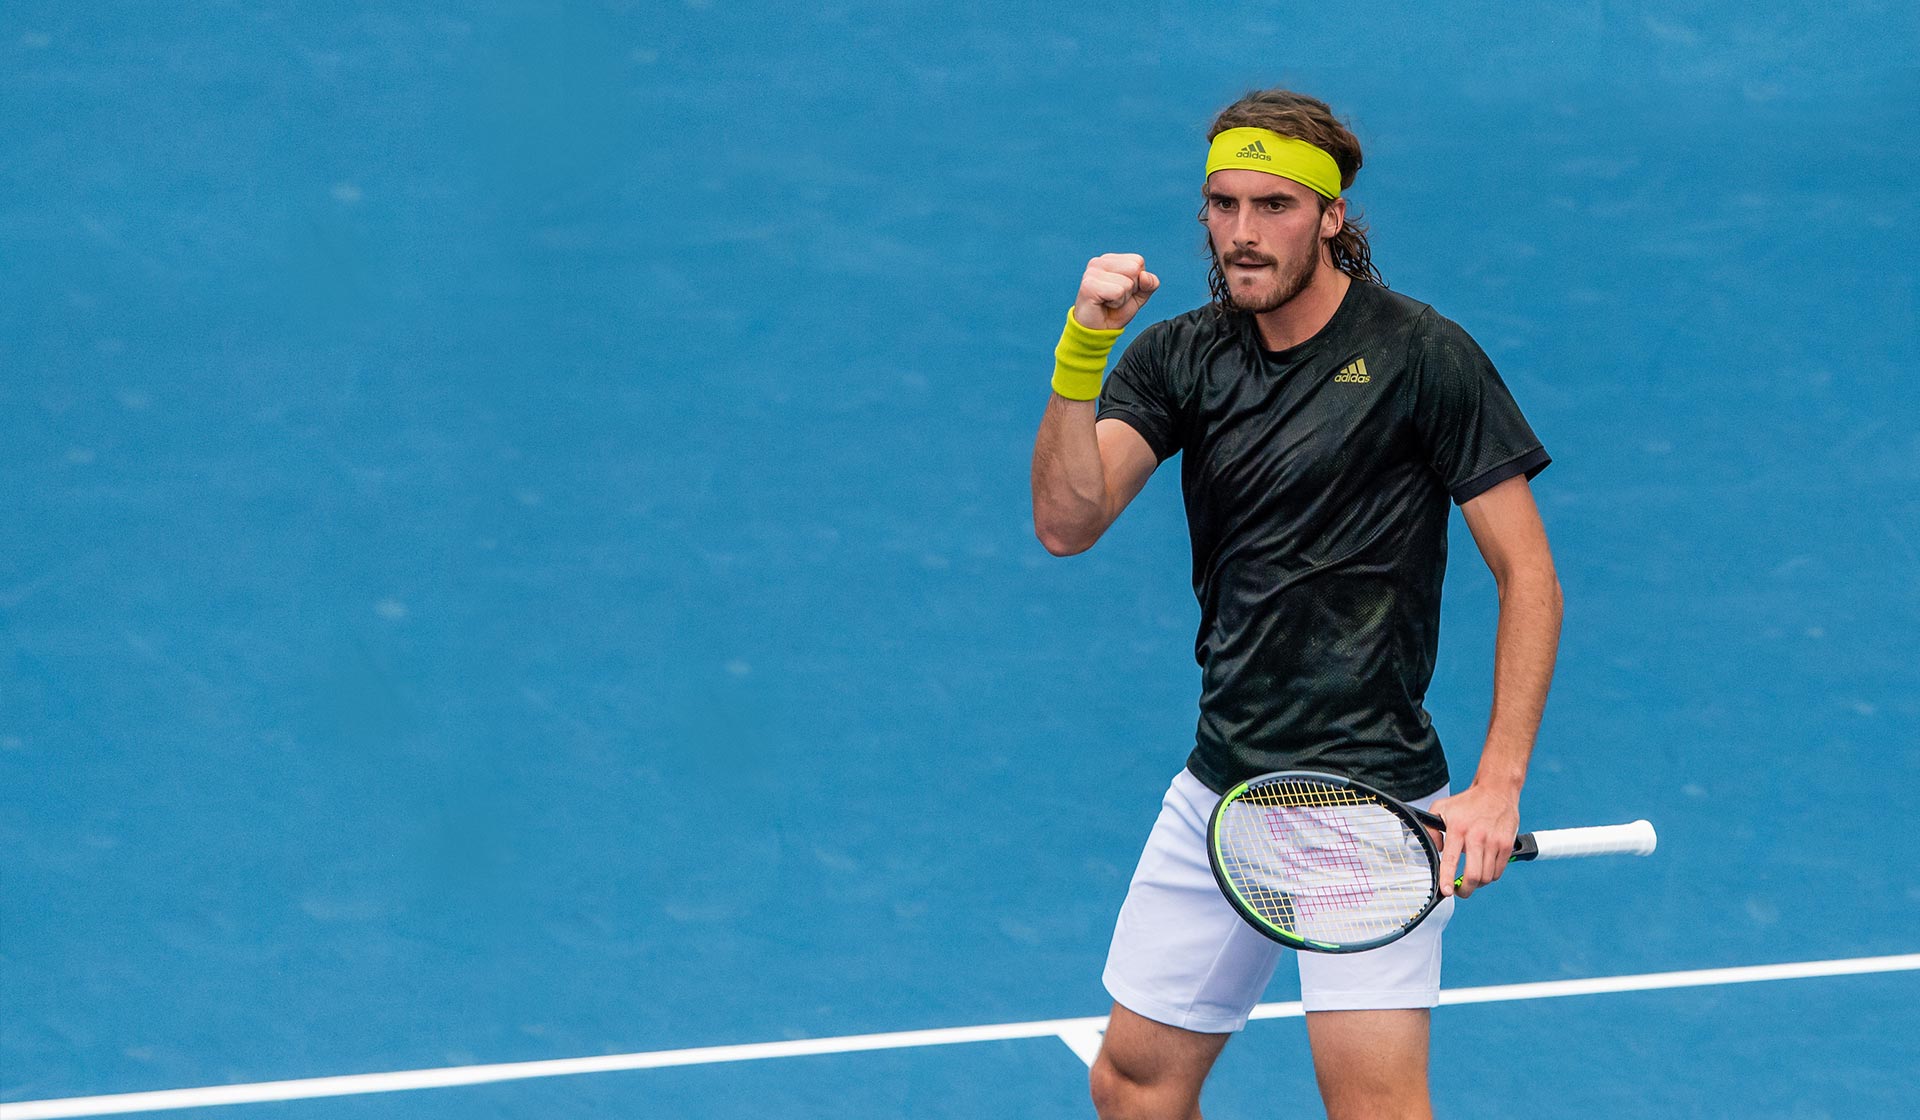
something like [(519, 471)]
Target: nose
[(1242, 230)]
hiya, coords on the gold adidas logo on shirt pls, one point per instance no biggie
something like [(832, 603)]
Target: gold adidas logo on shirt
[(1354, 372)]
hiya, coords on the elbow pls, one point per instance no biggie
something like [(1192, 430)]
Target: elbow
[(1550, 592), (1061, 542), (1538, 584), (1543, 588)]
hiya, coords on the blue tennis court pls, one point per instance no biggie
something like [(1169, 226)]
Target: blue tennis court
[(517, 547)]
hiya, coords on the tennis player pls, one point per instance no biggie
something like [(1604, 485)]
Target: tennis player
[(1325, 423)]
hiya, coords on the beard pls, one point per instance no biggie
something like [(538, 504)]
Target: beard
[(1288, 277)]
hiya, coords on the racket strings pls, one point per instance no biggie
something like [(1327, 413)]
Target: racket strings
[(1324, 863)]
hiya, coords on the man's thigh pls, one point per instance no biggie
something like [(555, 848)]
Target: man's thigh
[(1180, 955), (1401, 975), (1371, 1064)]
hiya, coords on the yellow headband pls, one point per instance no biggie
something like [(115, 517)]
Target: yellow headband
[(1257, 149)]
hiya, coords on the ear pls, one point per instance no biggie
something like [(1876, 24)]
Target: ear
[(1332, 218)]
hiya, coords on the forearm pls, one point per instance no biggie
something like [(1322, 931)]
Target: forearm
[(1527, 642), (1070, 495), (1482, 820)]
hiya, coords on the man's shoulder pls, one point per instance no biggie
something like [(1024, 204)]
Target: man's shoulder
[(1172, 348), (1382, 310), (1427, 320), (1390, 314), (1386, 307), (1201, 324)]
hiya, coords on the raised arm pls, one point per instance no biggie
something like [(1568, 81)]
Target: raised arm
[(1085, 472), (1482, 820)]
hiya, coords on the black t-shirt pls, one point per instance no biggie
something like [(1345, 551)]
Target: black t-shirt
[(1316, 482)]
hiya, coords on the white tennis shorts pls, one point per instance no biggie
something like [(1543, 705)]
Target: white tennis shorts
[(1182, 956)]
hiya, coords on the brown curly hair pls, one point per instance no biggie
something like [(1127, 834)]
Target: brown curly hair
[(1310, 119)]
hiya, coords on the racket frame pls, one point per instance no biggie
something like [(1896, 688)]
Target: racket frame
[(1418, 822), (1524, 847)]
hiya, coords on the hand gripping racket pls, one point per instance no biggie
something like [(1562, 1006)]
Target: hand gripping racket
[(1327, 864)]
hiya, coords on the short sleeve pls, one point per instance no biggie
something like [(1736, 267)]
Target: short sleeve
[(1139, 392), (1471, 431)]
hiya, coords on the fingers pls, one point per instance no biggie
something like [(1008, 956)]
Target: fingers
[(1128, 264), (1473, 874), (1113, 288), (1115, 278), (1479, 839), (1484, 856), (1449, 867), (1109, 288), (1498, 853), (1449, 846)]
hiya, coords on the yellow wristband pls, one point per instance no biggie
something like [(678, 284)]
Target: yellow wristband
[(1080, 359)]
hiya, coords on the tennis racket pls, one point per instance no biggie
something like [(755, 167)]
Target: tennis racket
[(1327, 864)]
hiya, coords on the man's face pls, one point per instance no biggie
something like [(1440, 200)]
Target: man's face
[(1266, 233)]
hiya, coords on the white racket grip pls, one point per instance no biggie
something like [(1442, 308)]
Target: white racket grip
[(1636, 839)]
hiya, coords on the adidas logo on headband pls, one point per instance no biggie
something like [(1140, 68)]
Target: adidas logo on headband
[(1269, 152)]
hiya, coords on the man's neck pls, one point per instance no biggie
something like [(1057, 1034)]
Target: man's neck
[(1301, 317)]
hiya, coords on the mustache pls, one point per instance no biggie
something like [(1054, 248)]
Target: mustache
[(1249, 258)]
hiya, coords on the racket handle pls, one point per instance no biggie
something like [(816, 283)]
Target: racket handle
[(1636, 839)]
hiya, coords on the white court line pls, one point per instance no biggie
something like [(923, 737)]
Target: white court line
[(1076, 1033), (1085, 1041)]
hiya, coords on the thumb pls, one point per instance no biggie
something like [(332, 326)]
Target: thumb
[(1149, 284)]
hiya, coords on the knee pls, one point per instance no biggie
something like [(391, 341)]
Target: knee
[(1110, 1090), (1119, 1096), (1108, 1087)]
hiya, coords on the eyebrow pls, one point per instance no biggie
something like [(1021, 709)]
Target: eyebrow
[(1219, 196)]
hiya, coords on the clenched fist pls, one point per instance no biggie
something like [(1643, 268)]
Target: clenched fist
[(1115, 287)]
